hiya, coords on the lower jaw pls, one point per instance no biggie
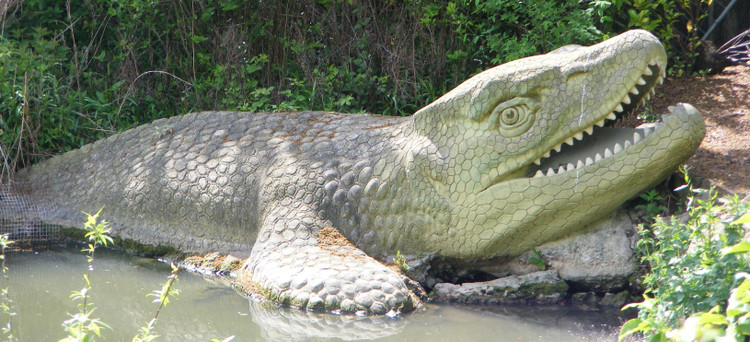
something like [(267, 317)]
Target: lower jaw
[(568, 202)]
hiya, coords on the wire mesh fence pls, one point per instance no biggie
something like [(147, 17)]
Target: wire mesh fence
[(19, 218)]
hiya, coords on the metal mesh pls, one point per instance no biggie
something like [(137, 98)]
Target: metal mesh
[(19, 218)]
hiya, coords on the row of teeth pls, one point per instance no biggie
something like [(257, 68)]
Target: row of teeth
[(611, 116), (638, 135)]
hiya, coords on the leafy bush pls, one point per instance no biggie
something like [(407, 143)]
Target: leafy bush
[(695, 264), (675, 22), (73, 73)]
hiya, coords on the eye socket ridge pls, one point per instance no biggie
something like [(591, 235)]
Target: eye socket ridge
[(515, 116)]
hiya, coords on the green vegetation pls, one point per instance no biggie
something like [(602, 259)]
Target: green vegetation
[(675, 22), (698, 286), (75, 72), (6, 304), (653, 205), (400, 261), (162, 297), (82, 327), (538, 260)]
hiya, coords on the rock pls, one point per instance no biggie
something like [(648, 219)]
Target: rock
[(585, 299), (598, 259), (418, 266), (538, 287), (615, 300)]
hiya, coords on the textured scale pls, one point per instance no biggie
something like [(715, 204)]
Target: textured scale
[(456, 179)]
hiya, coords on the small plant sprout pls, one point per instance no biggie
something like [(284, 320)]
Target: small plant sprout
[(6, 304), (81, 327), (162, 297), (653, 204), (400, 261), (538, 260)]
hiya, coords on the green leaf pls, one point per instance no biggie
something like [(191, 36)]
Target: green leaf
[(743, 325), (198, 39), (744, 219), (230, 5), (742, 247), (632, 326), (658, 337), (712, 318)]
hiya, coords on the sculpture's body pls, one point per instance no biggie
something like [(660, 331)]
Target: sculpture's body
[(457, 179)]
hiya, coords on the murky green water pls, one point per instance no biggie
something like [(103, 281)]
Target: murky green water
[(41, 283)]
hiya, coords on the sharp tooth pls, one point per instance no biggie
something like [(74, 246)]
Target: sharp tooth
[(600, 123), (597, 157), (634, 91), (550, 172), (626, 100), (570, 167), (652, 91), (636, 137), (660, 80), (557, 148), (589, 161), (569, 141), (580, 164), (538, 173), (619, 108), (546, 155), (612, 116), (589, 130), (640, 81), (578, 136), (538, 161), (561, 169), (627, 143), (648, 130), (617, 148), (646, 98), (607, 153), (647, 72)]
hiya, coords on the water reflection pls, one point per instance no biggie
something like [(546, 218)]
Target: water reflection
[(284, 324), (41, 284)]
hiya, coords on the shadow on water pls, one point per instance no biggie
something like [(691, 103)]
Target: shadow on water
[(41, 283)]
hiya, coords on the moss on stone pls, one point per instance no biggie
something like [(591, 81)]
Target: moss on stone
[(73, 233), (127, 244), (545, 288)]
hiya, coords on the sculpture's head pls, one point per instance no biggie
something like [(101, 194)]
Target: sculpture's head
[(523, 154)]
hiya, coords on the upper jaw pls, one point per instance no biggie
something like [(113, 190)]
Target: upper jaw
[(578, 148)]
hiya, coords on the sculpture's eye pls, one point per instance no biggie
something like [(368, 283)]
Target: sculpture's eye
[(510, 116), (514, 117)]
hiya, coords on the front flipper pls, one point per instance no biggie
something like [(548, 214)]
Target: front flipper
[(300, 262)]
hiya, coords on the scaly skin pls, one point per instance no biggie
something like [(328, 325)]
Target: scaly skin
[(457, 179)]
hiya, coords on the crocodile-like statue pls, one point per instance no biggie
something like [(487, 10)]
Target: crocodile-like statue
[(312, 199)]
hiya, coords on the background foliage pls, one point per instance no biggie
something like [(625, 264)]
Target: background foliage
[(698, 283), (76, 71)]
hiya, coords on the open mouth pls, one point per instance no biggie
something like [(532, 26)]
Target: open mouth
[(600, 141)]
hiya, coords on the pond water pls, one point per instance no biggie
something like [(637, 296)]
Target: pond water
[(41, 284)]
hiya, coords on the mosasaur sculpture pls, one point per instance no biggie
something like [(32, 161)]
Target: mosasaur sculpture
[(514, 157)]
